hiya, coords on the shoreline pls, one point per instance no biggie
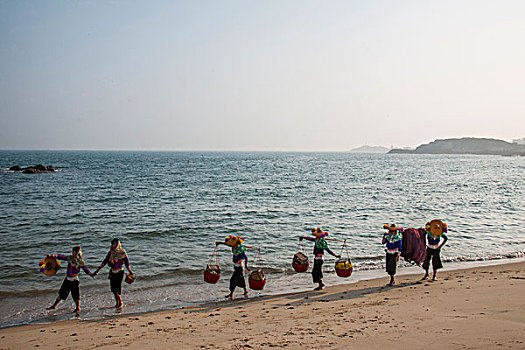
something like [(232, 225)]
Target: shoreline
[(303, 279), (459, 307)]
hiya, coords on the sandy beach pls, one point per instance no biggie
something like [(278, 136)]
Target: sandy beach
[(476, 308)]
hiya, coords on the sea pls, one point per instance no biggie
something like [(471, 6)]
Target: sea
[(169, 209)]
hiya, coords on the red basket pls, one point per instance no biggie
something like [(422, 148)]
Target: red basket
[(212, 273), (211, 277), (257, 278), (344, 272), (300, 261), (300, 267), (256, 285), (344, 267)]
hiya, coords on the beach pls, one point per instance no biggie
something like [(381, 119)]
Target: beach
[(475, 308)]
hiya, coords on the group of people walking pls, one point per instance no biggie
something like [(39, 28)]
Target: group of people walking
[(116, 259), (435, 231)]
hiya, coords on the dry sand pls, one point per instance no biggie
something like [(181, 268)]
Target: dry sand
[(478, 308)]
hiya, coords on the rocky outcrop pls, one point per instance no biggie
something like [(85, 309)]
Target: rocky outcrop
[(35, 169)]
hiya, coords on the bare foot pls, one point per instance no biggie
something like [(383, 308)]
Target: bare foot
[(52, 307), (77, 310), (424, 278), (391, 283), (245, 294), (229, 296)]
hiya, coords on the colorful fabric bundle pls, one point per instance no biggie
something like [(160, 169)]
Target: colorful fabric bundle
[(76, 260), (117, 253)]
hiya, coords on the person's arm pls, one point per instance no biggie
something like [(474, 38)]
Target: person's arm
[(86, 270), (332, 253), (399, 249), (104, 262), (58, 256), (307, 238), (445, 239), (384, 238), (126, 263), (219, 242), (246, 262)]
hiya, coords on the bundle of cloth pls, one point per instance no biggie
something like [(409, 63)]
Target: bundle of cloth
[(414, 245)]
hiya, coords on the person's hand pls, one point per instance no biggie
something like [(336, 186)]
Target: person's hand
[(217, 244), (131, 272), (397, 258), (300, 238), (338, 256)]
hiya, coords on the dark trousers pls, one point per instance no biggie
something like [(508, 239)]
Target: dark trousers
[(115, 282), (67, 287), (317, 271), (391, 264), (237, 279), (434, 255)]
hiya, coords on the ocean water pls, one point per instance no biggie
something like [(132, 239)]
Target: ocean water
[(168, 209)]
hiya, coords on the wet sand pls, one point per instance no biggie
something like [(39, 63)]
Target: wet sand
[(476, 308)]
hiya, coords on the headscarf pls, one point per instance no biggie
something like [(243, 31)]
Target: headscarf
[(320, 243), (117, 253), (395, 237), (75, 259)]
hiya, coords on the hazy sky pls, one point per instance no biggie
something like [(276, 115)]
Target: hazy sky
[(259, 75)]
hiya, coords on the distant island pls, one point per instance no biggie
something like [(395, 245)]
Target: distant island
[(467, 145), (369, 149)]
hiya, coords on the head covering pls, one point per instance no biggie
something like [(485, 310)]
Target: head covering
[(75, 259), (392, 227), (318, 233), (436, 227), (232, 241), (117, 253)]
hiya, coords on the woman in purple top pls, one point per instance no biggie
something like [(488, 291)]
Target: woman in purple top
[(116, 259), (71, 282)]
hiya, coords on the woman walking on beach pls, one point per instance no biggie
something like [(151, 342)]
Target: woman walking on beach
[(239, 255), (71, 282), (116, 259), (436, 230), (393, 239), (319, 247)]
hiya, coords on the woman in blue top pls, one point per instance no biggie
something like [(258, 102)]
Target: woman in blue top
[(319, 248), (435, 231), (394, 245)]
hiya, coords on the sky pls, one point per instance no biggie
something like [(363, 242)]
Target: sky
[(259, 75)]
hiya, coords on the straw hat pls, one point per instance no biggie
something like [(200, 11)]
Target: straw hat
[(392, 227), (436, 227), (49, 266), (232, 241), (318, 233)]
